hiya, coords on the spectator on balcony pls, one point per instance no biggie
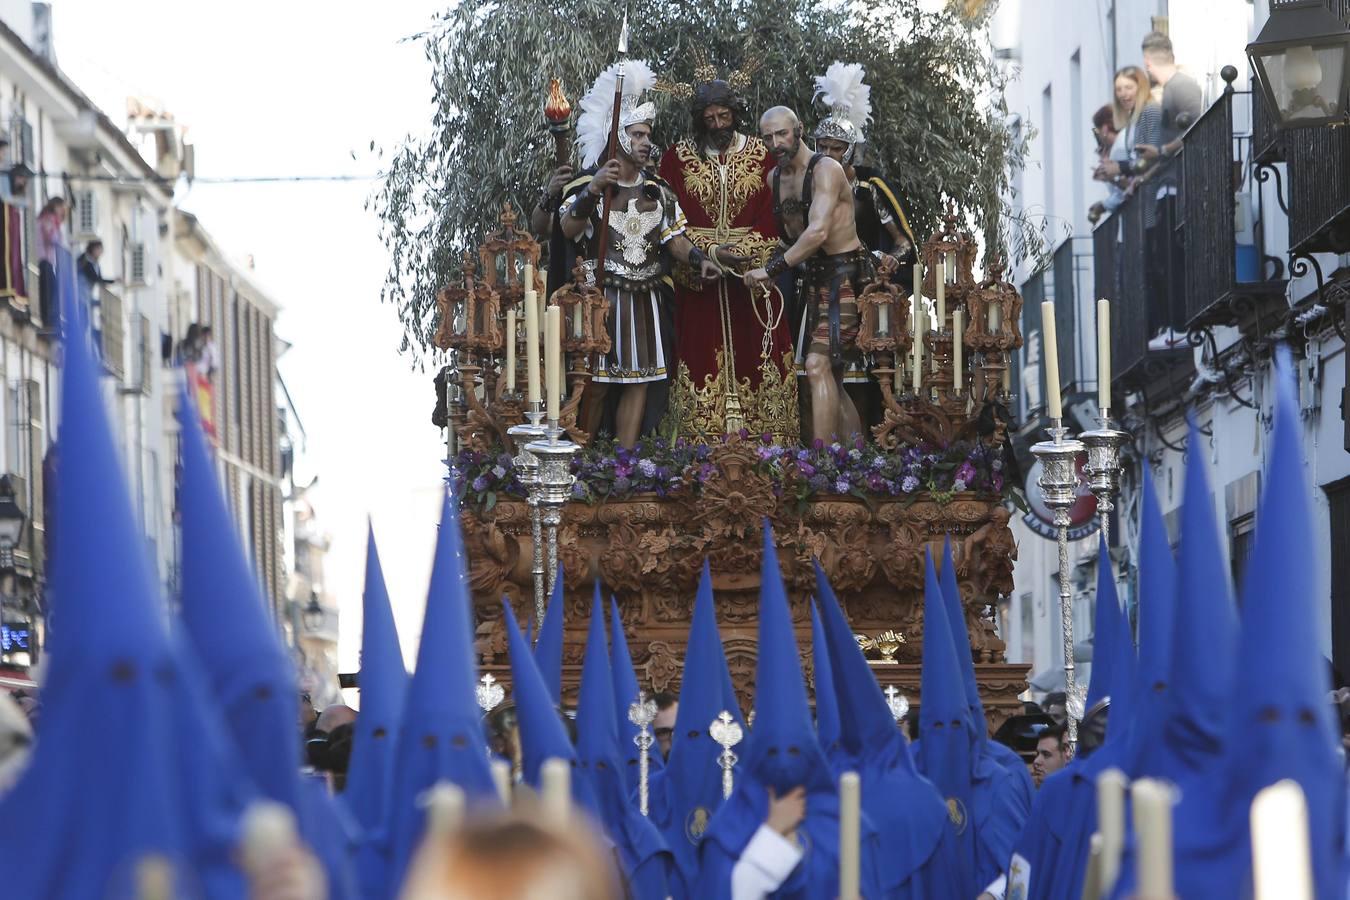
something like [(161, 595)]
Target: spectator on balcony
[(210, 356), (1135, 119), (91, 280), (50, 223), (1104, 131), (1182, 103)]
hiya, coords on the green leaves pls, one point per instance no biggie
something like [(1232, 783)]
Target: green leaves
[(940, 125)]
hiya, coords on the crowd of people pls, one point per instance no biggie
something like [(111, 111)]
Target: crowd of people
[(1138, 134)]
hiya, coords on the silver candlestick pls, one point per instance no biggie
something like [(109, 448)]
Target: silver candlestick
[(642, 713), (527, 472), (1102, 468), (1059, 490), (555, 454), (727, 732)]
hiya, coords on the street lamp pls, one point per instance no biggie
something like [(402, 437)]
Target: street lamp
[(1302, 63), (12, 521), (313, 613)]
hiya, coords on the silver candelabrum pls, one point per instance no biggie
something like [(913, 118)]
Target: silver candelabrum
[(527, 472), (1102, 468), (554, 484), (726, 731), (1059, 489)]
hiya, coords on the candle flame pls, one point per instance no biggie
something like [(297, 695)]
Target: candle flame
[(557, 108)]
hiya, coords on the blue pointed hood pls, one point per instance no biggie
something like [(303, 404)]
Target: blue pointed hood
[(956, 621), (1204, 634), (548, 650), (827, 706), (1106, 611), (688, 791), (383, 683), (542, 735), (907, 811), (1157, 603), (232, 629), (781, 754), (640, 847), (944, 718), (440, 735), (625, 695), (1281, 725), (128, 761)]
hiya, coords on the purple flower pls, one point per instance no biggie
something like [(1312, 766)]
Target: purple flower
[(875, 482), (579, 490), (505, 461), (806, 468), (622, 484), (647, 468), (958, 485), (910, 484), (818, 482), (996, 465), (480, 484), (996, 482), (878, 462), (842, 486), (966, 473), (498, 472)]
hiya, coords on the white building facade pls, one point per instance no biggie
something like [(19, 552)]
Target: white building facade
[(1236, 177)]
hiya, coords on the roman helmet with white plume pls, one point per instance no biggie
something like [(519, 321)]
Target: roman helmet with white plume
[(841, 88), (597, 109)]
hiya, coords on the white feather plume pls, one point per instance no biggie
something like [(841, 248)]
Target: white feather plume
[(597, 106), (843, 91)]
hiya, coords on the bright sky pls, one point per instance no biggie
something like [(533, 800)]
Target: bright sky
[(295, 88)]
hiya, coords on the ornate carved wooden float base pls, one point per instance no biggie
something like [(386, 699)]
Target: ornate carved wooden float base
[(648, 552)]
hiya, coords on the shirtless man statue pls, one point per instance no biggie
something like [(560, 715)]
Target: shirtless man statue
[(813, 201)]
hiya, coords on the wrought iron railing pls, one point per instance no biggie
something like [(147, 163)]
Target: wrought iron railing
[(1267, 140), (1208, 208), (1066, 315), (1120, 260), (1319, 190)]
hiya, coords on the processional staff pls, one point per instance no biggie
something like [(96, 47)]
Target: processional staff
[(602, 235), (727, 732), (642, 713)]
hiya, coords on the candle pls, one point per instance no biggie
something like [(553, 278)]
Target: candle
[(883, 319), (850, 831), (531, 347), (916, 365), (445, 808), (1050, 352), (1104, 353), (1153, 834), (958, 370), (501, 779), (553, 360), (995, 318), (942, 294), (527, 279), (511, 351), (917, 320), (576, 321), (1007, 377), (1281, 864), (1111, 825), (555, 777), (951, 267)]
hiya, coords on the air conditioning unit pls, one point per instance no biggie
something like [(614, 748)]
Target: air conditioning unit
[(86, 214), (138, 274)]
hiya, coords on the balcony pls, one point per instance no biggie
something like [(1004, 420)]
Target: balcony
[(1319, 190), (110, 333), (1267, 140), (1224, 282)]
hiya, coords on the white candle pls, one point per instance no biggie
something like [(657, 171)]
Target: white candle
[(1153, 834), (553, 360), (555, 777), (951, 267), (445, 808), (1281, 864), (1050, 352), (917, 320), (920, 327), (995, 318), (942, 294), (958, 369), (511, 351), (850, 832), (1111, 825), (501, 779), (577, 331), (531, 347), (883, 319), (1104, 353)]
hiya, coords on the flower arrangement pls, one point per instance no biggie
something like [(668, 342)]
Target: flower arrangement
[(659, 467)]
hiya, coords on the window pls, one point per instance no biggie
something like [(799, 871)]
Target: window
[(1338, 498), (1241, 533)]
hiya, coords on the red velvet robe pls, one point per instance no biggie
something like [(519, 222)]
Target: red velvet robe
[(736, 209)]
